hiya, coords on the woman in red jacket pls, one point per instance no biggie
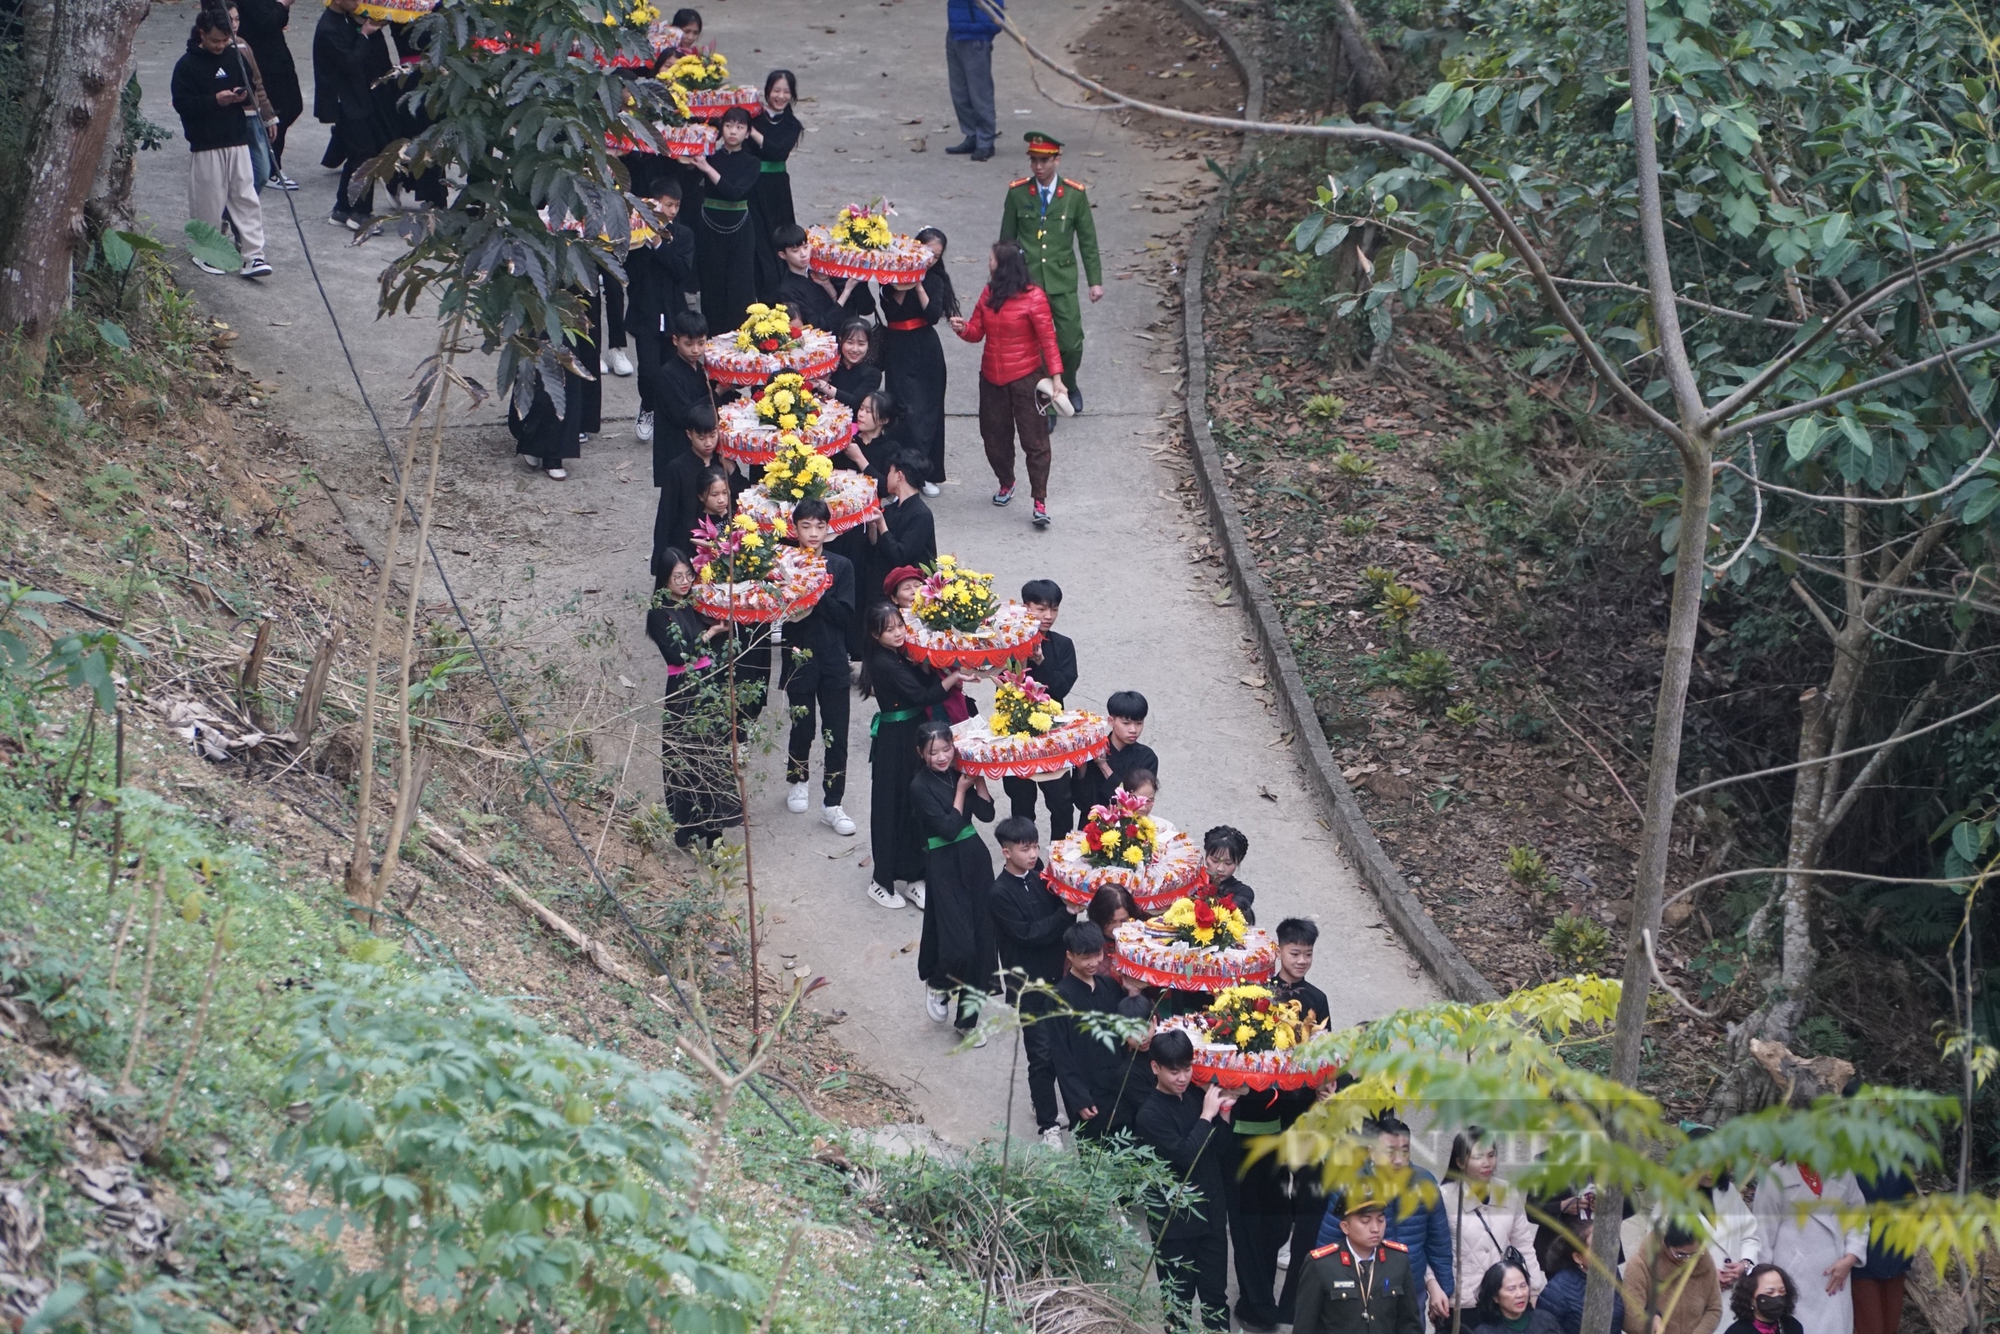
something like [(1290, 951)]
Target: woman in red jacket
[(1012, 316)]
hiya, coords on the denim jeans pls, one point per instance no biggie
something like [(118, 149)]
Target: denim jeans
[(262, 164), (970, 65)]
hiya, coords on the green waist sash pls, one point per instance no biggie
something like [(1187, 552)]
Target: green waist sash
[(1259, 1127), (778, 167), (726, 205), (889, 716), (935, 843)]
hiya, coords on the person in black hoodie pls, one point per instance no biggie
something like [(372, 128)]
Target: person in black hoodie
[(815, 674), (956, 955), (349, 54), (660, 286), (1101, 1088), (211, 88), (262, 24), (1030, 920), (904, 692), (1053, 667), (1185, 1123)]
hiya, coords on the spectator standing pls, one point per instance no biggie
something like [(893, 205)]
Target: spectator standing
[(1878, 1284), (1817, 1249), (1670, 1286), (1423, 1230), (1764, 1301), (262, 24), (968, 57), (1489, 1220), (1506, 1304), (211, 92), (1568, 1275)]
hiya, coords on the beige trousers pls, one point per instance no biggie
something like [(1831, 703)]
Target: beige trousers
[(221, 177)]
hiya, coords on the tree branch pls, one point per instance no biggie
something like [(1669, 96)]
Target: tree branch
[(1652, 215), (1471, 179), (1724, 311), (1812, 405)]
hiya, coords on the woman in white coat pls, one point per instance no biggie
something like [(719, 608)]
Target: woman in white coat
[(1486, 1216), (1815, 1250)]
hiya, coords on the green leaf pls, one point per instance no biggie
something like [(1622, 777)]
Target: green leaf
[(1857, 435), (1741, 213), (1802, 437), (1965, 840), (1981, 498), (1406, 268), (115, 335), (207, 244), (117, 251), (1437, 97), (1330, 238)]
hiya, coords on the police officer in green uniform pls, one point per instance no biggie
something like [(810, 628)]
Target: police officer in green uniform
[(1050, 216), (1360, 1284)]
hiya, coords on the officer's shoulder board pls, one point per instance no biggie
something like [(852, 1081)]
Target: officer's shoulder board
[(1023, 181), (1075, 184), (1326, 1250), (1395, 1245)]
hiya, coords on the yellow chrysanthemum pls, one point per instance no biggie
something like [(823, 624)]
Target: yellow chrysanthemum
[(1243, 1033), (1112, 838), (1136, 856), (1040, 722)]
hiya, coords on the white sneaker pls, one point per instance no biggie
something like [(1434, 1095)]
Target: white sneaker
[(979, 1038), (1285, 1256), (558, 474), (930, 488), (936, 1006), (914, 892), (795, 800), (620, 363), (207, 267), (644, 429), (603, 366), (1052, 1139), (836, 819), (888, 898)]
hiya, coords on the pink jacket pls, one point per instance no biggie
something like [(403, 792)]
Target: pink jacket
[(1020, 338)]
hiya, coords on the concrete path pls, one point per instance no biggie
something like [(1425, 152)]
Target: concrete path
[(1143, 616)]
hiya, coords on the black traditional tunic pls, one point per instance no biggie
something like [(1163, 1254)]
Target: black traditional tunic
[(911, 539), (851, 384), (853, 543), (957, 949), (904, 693), (913, 367), (726, 243), (695, 772), (771, 200)]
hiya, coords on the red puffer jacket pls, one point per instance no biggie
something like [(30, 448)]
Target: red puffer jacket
[(1020, 338)]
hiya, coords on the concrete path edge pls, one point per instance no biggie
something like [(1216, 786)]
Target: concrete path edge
[(1451, 969)]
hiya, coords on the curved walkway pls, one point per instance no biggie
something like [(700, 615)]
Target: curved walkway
[(1144, 617)]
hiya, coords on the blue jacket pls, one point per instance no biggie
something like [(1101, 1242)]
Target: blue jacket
[(1424, 1232), (969, 23), (1563, 1299)]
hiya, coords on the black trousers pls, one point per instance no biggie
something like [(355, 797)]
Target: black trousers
[(1260, 1221), (1038, 1042), (649, 353), (614, 310), (1196, 1270), (828, 690), (1308, 1207), (1062, 808)]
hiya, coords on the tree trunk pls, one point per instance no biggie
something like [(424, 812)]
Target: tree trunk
[(110, 202), (1367, 73), (90, 48)]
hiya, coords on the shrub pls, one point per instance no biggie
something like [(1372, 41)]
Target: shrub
[(1426, 677), (1325, 407), (1577, 940)]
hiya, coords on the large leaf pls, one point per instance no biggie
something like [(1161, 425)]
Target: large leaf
[(210, 246)]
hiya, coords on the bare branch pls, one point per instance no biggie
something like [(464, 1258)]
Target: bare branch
[(1812, 405), (1756, 523), (1965, 475), (1887, 287), (1819, 613), (1960, 716), (1668, 987), (1739, 874), (1852, 793), (1472, 180), (1688, 301), (1652, 225)]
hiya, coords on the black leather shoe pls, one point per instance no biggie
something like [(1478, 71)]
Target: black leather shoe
[(983, 154), (1076, 399), (960, 150)]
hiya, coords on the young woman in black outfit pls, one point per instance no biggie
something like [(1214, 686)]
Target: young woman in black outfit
[(695, 770), (774, 133), (725, 243), (913, 359), (857, 375), (957, 951), (905, 693)]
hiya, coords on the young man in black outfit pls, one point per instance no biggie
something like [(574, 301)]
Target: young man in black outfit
[(1098, 780), (906, 534), (660, 285), (679, 384), (1187, 1125), (809, 299), (1269, 1204), (1223, 849), (1030, 920), (680, 503), (816, 674), (1101, 1089), (1053, 667)]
